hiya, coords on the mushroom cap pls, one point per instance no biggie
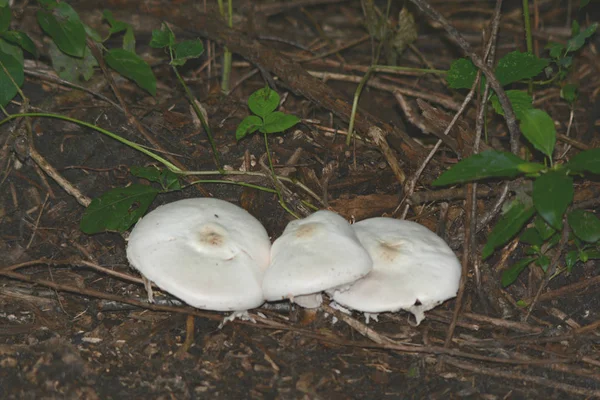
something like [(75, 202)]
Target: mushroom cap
[(413, 269), (314, 254), (209, 253)]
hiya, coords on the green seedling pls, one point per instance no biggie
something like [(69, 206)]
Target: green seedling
[(266, 120)]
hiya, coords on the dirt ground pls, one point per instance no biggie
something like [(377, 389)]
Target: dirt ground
[(74, 319)]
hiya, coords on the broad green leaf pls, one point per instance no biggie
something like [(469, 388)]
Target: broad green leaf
[(263, 102), (507, 227), (487, 164), (169, 180), (583, 3), (462, 74), (545, 230), (537, 126), (279, 122), (569, 92), (20, 39), (186, 50), (11, 57), (162, 38), (575, 28), (92, 33), (585, 225), (578, 40), (543, 261), (3, 3), (5, 15), (132, 66), (517, 66), (71, 68), (555, 49), (120, 26), (588, 160), (63, 25), (552, 194), (249, 125), (117, 209), (511, 274), (115, 26), (531, 236), (519, 100)]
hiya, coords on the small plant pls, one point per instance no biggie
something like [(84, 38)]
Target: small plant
[(266, 120)]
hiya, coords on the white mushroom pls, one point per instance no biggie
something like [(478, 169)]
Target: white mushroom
[(314, 254), (414, 269), (209, 253)]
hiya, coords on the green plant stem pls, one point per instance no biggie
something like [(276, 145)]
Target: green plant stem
[(393, 68), (227, 54), (118, 138), (250, 185), (275, 181), (203, 121), (528, 36), (365, 78)]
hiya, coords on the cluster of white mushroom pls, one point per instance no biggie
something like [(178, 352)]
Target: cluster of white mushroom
[(214, 255)]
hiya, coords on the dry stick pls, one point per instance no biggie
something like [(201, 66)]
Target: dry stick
[(132, 119), (58, 178), (522, 377), (553, 264), (509, 115)]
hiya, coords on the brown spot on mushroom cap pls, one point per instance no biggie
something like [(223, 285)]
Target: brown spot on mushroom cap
[(306, 231), (389, 251), (209, 235)]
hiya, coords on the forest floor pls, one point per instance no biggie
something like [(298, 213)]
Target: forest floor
[(74, 319)]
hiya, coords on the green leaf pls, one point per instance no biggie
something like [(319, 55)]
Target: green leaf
[(517, 66), (249, 125), (11, 57), (531, 168), (132, 66), (169, 180), (545, 230), (462, 74), (22, 40), (585, 225), (531, 236), (120, 26), (537, 126), (279, 122), (507, 227), (571, 258), (70, 68), (63, 25), (583, 3), (519, 100), (512, 273), (150, 173), (575, 28), (3, 3), (186, 50), (555, 49), (487, 164), (552, 194), (117, 209), (162, 38), (543, 261), (569, 92), (5, 16), (578, 40), (115, 26), (263, 102), (588, 160), (92, 33)]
